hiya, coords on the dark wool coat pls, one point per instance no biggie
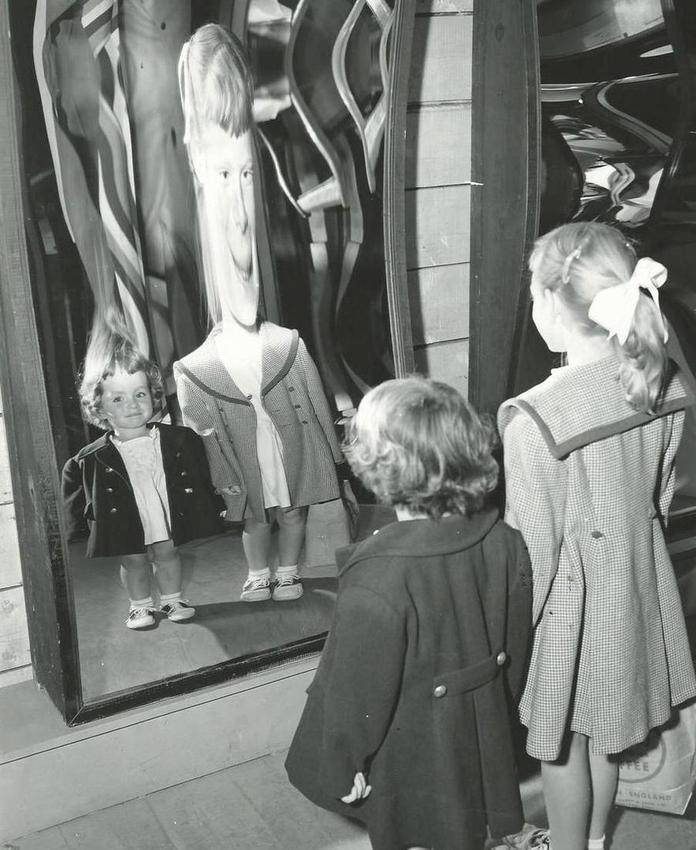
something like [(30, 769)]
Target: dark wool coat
[(99, 499), (588, 483), (430, 637), (292, 393)]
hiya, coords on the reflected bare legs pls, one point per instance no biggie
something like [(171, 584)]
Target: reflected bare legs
[(136, 570), (256, 538), (578, 790)]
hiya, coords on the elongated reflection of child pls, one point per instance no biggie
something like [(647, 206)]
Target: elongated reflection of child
[(406, 725), (251, 390), (142, 488)]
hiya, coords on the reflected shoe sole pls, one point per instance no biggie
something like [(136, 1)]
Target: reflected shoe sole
[(141, 618), (178, 612), (285, 590)]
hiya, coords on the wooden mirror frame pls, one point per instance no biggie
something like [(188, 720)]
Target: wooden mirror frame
[(33, 464)]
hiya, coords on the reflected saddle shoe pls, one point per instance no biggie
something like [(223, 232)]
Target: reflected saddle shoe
[(286, 588), (177, 611), (141, 618), (256, 590)]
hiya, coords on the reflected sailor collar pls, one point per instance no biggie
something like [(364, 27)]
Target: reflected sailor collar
[(204, 368), (578, 405)]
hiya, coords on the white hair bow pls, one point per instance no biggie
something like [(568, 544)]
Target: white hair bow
[(613, 308)]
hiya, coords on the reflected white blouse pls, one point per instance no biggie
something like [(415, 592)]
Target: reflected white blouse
[(142, 458)]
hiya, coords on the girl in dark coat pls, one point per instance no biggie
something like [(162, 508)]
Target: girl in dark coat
[(142, 488), (406, 725)]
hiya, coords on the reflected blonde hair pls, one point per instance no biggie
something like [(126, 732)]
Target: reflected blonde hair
[(418, 443), (216, 87), (108, 353), (576, 261)]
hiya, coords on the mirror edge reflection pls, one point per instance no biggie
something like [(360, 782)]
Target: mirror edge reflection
[(35, 479)]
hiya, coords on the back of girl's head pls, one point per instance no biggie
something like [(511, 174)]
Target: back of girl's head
[(418, 443), (107, 354), (215, 82), (577, 261)]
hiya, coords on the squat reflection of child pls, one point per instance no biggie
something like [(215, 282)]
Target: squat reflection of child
[(142, 488), (406, 725)]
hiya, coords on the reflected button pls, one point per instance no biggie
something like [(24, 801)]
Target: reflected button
[(440, 691), (596, 534), (501, 658), (113, 510), (188, 489), (109, 489)]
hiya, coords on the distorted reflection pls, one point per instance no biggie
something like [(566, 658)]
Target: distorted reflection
[(113, 245)]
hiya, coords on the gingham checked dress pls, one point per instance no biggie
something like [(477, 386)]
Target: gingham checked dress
[(588, 483)]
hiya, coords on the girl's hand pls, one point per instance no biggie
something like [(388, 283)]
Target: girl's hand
[(359, 791)]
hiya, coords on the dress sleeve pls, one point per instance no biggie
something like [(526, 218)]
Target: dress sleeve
[(74, 502), (674, 428), (535, 496), (362, 687), (315, 390)]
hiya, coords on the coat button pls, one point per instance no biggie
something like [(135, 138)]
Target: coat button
[(596, 534), (291, 389), (250, 397), (304, 422), (109, 489), (184, 473), (297, 406), (501, 658), (188, 489), (109, 469), (113, 510), (440, 691)]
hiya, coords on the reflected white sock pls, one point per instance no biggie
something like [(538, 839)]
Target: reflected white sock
[(142, 603), (596, 843), (286, 572), (169, 597), (265, 573)]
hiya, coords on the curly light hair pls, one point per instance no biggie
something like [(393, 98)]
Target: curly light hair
[(107, 354), (419, 444)]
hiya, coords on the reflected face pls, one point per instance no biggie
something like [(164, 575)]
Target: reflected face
[(127, 403), (225, 169), (546, 318)]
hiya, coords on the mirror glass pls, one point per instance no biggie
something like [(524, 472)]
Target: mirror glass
[(110, 221)]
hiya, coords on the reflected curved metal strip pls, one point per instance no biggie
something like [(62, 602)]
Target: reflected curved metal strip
[(370, 130), (330, 192)]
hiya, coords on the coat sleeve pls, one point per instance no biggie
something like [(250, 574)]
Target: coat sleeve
[(74, 501), (361, 689), (224, 469), (674, 426), (535, 501), (315, 390)]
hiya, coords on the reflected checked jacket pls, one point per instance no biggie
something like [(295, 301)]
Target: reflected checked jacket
[(99, 500), (292, 393)]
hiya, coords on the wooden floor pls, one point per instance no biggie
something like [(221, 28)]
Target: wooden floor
[(253, 807)]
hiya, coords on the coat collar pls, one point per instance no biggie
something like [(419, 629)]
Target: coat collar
[(579, 405), (417, 538), (103, 443), (205, 369)]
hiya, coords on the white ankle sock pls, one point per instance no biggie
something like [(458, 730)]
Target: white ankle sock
[(169, 597), (596, 843), (286, 572), (142, 603), (265, 573)]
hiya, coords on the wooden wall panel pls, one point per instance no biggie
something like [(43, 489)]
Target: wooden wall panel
[(438, 218), (446, 361), (440, 154), (441, 59), (439, 303)]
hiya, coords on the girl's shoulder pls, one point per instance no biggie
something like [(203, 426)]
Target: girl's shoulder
[(579, 405)]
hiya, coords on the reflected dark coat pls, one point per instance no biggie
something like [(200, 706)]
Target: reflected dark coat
[(413, 688), (99, 499)]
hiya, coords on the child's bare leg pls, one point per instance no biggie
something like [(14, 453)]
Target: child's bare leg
[(292, 523), (567, 793), (256, 542), (604, 773), (136, 576), (167, 567), (168, 570)]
